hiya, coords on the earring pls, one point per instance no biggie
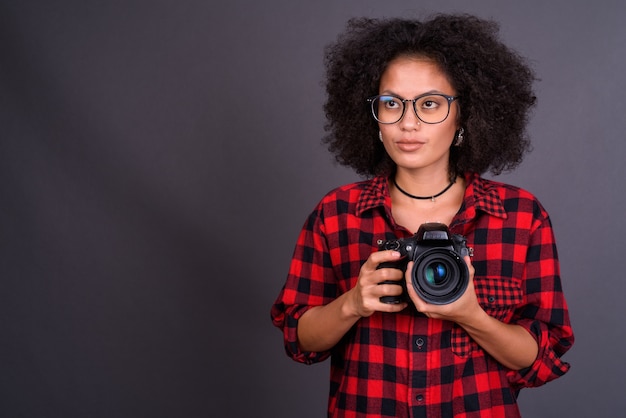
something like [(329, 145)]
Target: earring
[(380, 136), (459, 137)]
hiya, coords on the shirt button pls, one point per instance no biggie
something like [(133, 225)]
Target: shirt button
[(419, 342), (419, 398)]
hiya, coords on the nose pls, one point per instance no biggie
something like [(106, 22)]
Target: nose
[(409, 119)]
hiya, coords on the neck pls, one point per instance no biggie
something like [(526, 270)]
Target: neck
[(422, 185), (432, 197)]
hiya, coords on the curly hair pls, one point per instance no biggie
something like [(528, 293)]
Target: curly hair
[(493, 82)]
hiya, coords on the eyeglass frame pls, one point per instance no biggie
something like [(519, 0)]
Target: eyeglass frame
[(450, 99)]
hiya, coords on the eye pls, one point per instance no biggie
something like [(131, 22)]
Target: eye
[(430, 102), (390, 102)]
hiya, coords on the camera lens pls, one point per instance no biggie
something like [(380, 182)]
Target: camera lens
[(440, 276), (436, 273)]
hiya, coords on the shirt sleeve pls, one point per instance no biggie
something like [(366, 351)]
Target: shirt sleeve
[(310, 282), (544, 313)]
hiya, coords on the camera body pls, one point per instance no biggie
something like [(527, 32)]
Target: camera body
[(440, 274)]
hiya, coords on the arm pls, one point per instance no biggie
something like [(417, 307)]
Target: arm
[(544, 314), (511, 345), (315, 307), (322, 327)]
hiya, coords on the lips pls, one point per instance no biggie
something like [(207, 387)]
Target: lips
[(409, 146)]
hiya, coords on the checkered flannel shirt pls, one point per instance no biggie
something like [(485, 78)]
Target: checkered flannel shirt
[(405, 364)]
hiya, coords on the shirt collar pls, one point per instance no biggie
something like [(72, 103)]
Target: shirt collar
[(375, 194), (480, 195)]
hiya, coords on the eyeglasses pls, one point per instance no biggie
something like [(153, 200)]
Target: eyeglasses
[(429, 108)]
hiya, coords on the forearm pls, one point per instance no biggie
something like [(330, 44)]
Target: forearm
[(509, 344), (322, 327)]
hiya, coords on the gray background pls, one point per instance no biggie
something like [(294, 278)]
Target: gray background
[(158, 159)]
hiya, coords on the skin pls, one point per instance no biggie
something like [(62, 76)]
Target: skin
[(421, 153)]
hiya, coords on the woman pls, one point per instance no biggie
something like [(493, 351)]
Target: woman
[(422, 108)]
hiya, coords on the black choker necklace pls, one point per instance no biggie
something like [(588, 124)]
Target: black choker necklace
[(412, 196)]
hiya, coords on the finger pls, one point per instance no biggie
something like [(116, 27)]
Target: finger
[(418, 302), (379, 257), (391, 274), (408, 277), (390, 288), (392, 307), (470, 267)]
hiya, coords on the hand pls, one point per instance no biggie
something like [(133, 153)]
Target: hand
[(461, 311), (365, 295)]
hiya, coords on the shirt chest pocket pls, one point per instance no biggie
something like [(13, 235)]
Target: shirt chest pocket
[(499, 297)]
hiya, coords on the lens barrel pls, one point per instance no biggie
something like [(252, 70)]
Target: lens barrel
[(440, 276)]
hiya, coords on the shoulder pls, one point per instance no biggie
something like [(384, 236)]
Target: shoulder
[(350, 189), (514, 199), (352, 199), (505, 189), (352, 193)]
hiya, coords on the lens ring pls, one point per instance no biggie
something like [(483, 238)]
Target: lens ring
[(450, 286)]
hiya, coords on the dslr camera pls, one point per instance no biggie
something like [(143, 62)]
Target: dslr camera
[(439, 275)]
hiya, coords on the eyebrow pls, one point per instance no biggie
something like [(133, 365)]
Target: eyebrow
[(391, 93)]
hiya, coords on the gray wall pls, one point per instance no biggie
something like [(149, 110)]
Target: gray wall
[(158, 159)]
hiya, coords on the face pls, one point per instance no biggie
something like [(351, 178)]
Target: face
[(412, 144)]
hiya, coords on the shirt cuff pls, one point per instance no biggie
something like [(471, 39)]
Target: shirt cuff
[(288, 322), (548, 365)]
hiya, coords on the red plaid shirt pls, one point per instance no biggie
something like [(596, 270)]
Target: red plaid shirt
[(405, 364)]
